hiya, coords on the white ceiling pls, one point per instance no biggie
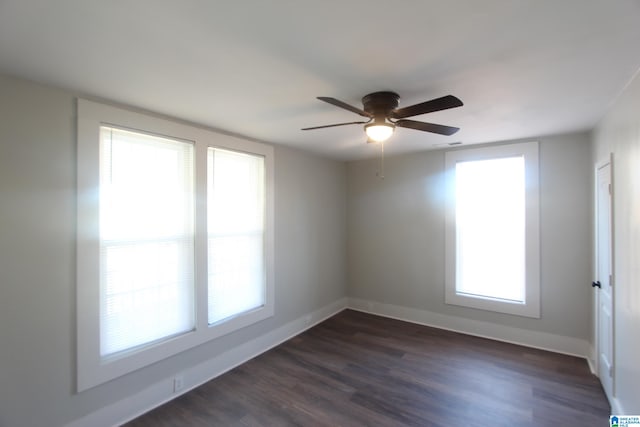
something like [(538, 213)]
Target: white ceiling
[(523, 68)]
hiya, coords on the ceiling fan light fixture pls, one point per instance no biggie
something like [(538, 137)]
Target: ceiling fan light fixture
[(381, 108), (379, 132)]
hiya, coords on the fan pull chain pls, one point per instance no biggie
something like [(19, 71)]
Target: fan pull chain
[(380, 173)]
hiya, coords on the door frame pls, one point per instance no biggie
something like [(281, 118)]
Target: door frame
[(596, 300)]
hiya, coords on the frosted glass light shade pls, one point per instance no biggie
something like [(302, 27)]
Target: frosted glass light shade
[(379, 132)]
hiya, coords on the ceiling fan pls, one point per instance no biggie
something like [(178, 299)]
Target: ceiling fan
[(381, 108)]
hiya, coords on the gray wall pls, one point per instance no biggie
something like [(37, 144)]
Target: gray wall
[(619, 133), (37, 259), (329, 216), (396, 236)]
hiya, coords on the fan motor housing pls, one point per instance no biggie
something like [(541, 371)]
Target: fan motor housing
[(380, 103)]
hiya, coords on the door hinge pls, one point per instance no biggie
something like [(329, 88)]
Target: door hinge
[(609, 187), (611, 371), (611, 280)]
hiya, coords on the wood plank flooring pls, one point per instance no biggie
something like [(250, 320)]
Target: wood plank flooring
[(356, 369)]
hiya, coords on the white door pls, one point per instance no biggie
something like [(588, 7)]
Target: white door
[(604, 280)]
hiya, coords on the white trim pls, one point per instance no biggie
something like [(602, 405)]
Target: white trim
[(528, 338), (531, 305), (616, 407), (161, 392), (591, 360)]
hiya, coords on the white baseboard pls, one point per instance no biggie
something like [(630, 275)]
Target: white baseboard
[(592, 360), (540, 340), (161, 392), (592, 364), (616, 407)]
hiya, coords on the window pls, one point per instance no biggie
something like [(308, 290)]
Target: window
[(146, 237), (492, 237), (235, 223), (175, 239)]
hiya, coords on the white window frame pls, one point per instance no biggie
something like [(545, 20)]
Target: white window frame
[(93, 370), (531, 305)]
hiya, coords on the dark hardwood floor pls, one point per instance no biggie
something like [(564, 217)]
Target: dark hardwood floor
[(357, 369)]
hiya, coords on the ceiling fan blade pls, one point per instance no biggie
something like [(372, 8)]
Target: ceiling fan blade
[(337, 124), (427, 127), (344, 105), (437, 104)]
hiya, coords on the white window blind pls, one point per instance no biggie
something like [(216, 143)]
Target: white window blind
[(175, 239), (236, 227), (146, 210), (490, 228)]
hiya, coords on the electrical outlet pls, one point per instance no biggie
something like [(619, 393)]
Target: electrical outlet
[(178, 383)]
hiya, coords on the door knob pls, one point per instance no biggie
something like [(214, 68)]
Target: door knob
[(594, 284)]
